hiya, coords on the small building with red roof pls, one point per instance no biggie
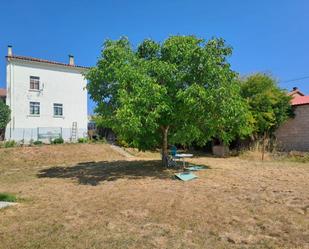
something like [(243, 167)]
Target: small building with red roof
[(300, 100), (294, 134), (296, 92)]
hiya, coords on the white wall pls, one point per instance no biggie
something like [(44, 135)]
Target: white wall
[(59, 84)]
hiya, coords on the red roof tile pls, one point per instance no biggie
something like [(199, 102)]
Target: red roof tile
[(2, 92), (26, 58), (300, 100)]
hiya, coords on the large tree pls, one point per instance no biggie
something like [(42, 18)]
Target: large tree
[(182, 91), (269, 104)]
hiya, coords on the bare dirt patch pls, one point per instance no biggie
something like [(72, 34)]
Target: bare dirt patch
[(88, 196)]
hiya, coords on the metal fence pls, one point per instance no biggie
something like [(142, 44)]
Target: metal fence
[(49, 132)]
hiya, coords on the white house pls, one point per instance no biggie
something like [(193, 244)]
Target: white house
[(47, 99)]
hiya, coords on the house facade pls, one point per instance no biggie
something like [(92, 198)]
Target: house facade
[(47, 99), (294, 134)]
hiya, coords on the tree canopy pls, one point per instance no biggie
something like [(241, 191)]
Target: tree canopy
[(182, 91), (4, 115), (270, 105)]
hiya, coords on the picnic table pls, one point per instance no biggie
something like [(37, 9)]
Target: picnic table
[(183, 156)]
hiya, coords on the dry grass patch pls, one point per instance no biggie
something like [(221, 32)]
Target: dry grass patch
[(144, 154), (92, 197)]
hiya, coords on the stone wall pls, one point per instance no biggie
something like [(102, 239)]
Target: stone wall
[(294, 134)]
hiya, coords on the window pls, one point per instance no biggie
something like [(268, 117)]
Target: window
[(34, 108), (34, 83), (58, 110)]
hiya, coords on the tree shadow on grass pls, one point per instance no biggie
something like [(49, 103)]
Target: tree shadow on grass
[(92, 173)]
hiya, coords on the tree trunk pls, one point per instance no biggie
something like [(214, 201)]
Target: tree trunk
[(164, 146), (263, 146)]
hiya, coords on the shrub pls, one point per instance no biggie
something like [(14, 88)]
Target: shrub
[(7, 197), (300, 157), (99, 141), (82, 140), (57, 141), (10, 144), (38, 142), (4, 115), (122, 143)]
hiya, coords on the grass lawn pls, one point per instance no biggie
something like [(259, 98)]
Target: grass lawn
[(7, 197), (90, 196)]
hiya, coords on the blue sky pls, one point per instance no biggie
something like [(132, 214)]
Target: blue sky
[(267, 36)]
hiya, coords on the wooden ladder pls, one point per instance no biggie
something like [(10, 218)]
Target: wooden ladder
[(74, 132)]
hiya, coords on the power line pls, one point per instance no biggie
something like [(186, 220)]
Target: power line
[(302, 78)]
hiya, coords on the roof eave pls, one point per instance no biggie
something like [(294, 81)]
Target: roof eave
[(41, 61)]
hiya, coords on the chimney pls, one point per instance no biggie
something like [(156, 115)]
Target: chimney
[(71, 60), (295, 88), (10, 52)]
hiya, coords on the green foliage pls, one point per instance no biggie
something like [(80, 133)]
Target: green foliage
[(7, 197), (183, 87), (270, 106), (57, 141), (100, 141), (122, 143), (4, 115), (82, 140), (37, 142), (10, 144)]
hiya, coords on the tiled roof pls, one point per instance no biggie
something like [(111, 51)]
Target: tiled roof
[(26, 58), (300, 100), (294, 92), (2, 92)]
